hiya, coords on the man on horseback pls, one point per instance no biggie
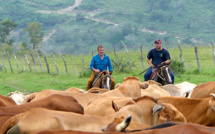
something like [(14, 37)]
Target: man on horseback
[(99, 63), (159, 56)]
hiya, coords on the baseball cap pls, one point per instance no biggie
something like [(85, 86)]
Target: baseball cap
[(157, 41)]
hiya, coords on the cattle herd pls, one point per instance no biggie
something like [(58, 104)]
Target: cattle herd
[(133, 107)]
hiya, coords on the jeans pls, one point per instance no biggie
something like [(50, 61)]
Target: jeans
[(149, 72)]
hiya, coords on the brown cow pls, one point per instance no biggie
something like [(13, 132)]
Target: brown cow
[(200, 111), (38, 119), (154, 89), (171, 113), (54, 102), (131, 87), (165, 128), (141, 109), (203, 90), (6, 101)]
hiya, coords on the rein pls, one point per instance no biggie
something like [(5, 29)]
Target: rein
[(161, 76)]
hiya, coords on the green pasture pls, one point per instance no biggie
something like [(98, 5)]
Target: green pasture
[(36, 81)]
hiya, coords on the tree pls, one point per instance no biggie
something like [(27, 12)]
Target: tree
[(36, 35), (5, 28)]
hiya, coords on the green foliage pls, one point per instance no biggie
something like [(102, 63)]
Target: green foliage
[(122, 66), (177, 67), (35, 34), (85, 73), (5, 28), (96, 22)]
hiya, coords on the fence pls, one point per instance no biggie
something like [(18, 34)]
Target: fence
[(199, 58)]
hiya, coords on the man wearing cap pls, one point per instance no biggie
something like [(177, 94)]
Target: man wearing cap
[(159, 56)]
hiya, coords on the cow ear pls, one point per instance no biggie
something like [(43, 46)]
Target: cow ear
[(118, 84), (156, 109), (115, 107), (143, 85)]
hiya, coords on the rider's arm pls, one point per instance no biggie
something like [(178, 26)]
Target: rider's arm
[(92, 65), (110, 66), (167, 61), (150, 63)]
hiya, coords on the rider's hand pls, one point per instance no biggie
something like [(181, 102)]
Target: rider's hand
[(152, 66), (163, 63), (97, 71), (110, 72)]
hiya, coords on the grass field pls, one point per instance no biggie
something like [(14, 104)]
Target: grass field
[(36, 81)]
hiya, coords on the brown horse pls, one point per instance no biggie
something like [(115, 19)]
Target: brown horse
[(102, 80)]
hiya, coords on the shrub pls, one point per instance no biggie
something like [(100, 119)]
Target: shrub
[(122, 66), (85, 72), (177, 67)]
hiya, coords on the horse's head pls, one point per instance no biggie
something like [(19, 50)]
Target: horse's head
[(106, 81), (165, 75)]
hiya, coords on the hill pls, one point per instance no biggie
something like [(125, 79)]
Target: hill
[(71, 26)]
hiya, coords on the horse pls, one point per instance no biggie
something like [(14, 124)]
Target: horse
[(161, 74), (102, 80)]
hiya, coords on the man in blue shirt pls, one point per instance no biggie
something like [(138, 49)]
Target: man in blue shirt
[(158, 55), (99, 63)]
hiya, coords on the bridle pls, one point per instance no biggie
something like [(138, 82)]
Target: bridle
[(160, 76), (103, 80)]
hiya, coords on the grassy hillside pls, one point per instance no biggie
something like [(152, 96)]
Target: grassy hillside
[(96, 22), (37, 81)]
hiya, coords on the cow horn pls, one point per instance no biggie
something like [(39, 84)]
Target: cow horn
[(122, 126), (212, 94), (155, 98), (157, 108), (134, 98), (104, 128)]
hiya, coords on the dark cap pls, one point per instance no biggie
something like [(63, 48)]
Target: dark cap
[(157, 41)]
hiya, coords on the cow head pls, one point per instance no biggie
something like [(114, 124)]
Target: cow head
[(117, 127)]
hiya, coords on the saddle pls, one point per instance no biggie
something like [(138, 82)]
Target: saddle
[(154, 73), (98, 76)]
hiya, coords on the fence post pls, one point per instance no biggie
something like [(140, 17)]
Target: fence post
[(141, 52), (65, 64), (55, 64), (182, 59), (47, 64), (213, 52), (40, 62), (114, 49), (11, 68), (74, 67), (29, 65), (83, 62), (23, 63), (16, 62), (35, 66), (128, 55), (197, 58), (3, 61), (166, 44), (92, 53)]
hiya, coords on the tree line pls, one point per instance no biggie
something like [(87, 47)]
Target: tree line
[(33, 29)]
